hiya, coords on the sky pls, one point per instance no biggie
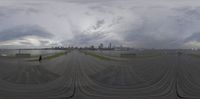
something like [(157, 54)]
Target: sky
[(133, 23)]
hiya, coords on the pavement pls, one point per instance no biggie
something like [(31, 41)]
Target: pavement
[(80, 76)]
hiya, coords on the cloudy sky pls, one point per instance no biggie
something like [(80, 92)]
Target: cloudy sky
[(134, 23)]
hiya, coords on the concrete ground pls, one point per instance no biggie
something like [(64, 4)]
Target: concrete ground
[(80, 76)]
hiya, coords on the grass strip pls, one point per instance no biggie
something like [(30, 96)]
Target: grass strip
[(195, 55), (49, 57)]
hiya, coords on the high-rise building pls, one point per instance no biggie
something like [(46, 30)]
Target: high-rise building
[(101, 46), (110, 45)]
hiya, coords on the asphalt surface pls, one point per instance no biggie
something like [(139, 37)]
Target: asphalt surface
[(80, 76)]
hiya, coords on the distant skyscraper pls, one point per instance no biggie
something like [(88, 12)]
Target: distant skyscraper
[(110, 45), (101, 46), (92, 46)]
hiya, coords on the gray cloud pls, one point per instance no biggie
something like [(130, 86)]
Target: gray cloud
[(6, 11), (89, 1), (136, 23), (193, 37), (99, 24), (87, 39), (23, 31)]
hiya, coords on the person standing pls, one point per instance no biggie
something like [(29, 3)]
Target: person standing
[(40, 58)]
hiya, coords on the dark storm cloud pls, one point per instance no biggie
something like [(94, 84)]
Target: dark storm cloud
[(23, 31), (193, 37), (25, 43), (9, 11), (191, 12), (99, 23), (87, 39)]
